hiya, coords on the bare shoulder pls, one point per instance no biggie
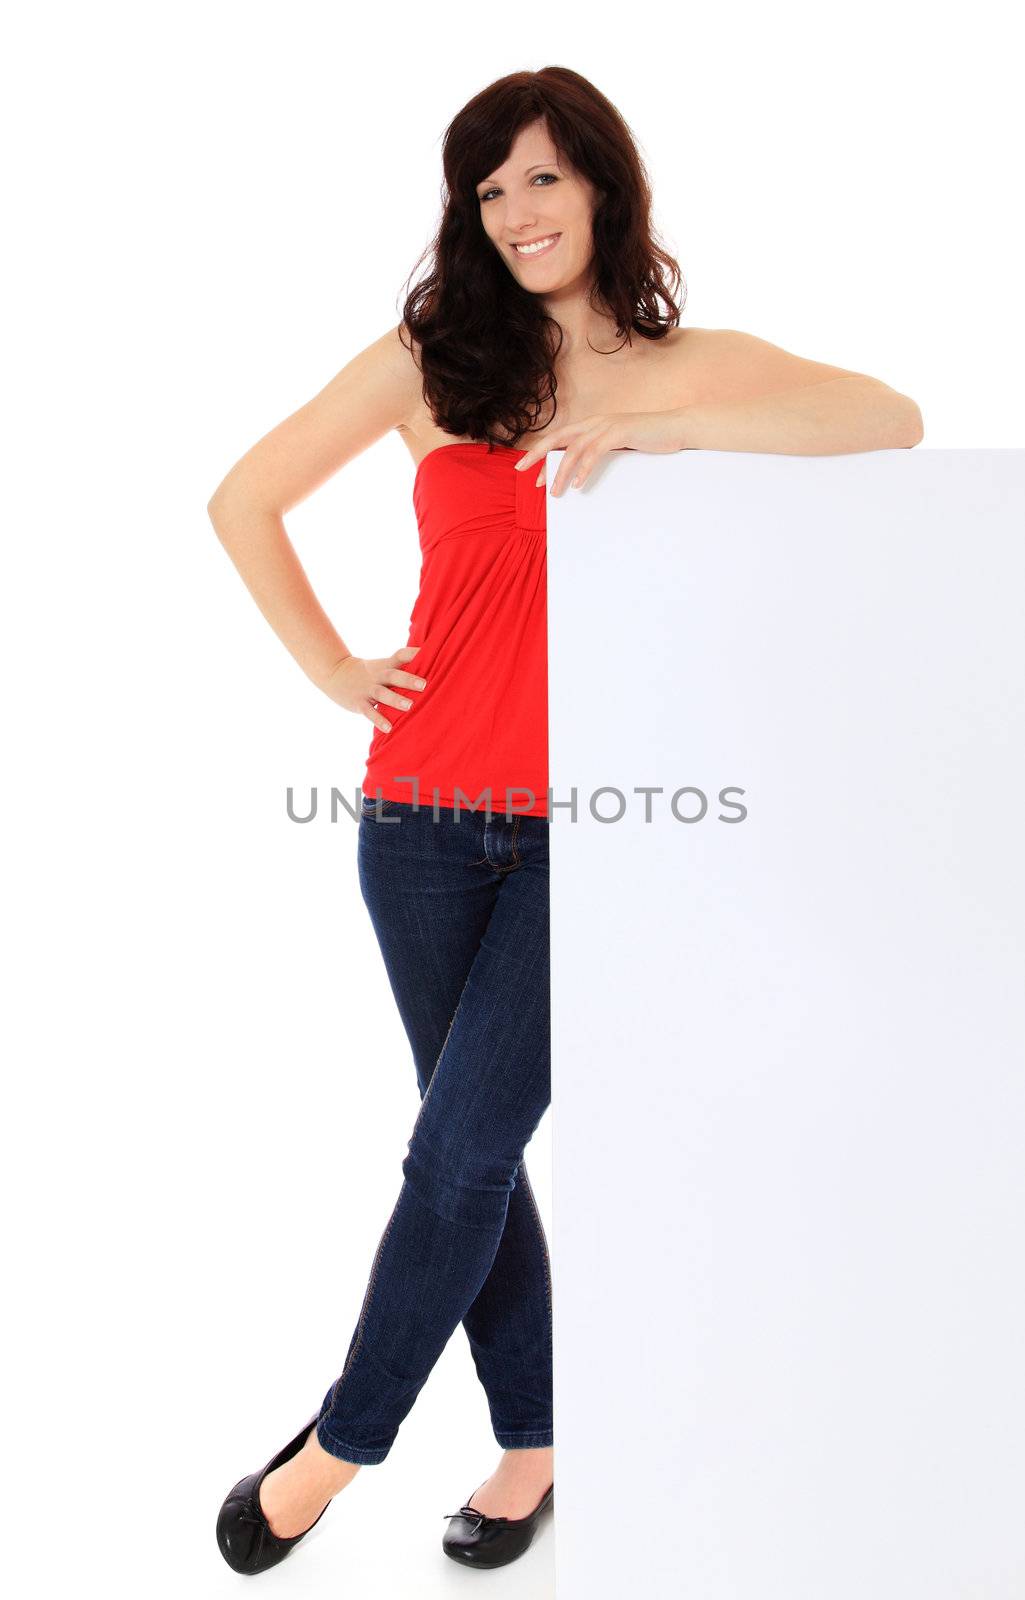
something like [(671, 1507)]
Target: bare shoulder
[(391, 361), (685, 364), (400, 351), (727, 364)]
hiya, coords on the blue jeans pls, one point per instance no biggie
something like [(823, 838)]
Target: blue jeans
[(460, 910)]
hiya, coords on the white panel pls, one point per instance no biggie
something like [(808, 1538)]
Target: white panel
[(789, 1051)]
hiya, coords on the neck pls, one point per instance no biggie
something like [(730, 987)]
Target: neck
[(585, 328)]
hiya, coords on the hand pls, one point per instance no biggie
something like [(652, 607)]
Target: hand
[(657, 432), (356, 683)]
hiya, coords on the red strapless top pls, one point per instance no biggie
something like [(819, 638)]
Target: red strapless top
[(482, 622)]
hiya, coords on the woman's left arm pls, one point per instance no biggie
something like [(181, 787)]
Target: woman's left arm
[(754, 397)]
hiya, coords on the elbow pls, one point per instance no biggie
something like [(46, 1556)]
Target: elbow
[(895, 417), (912, 426), (237, 497), (904, 421), (219, 507), (900, 420), (214, 506), (233, 488)]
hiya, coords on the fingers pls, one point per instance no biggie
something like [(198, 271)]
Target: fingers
[(574, 471), (386, 690), (384, 696), (395, 675), (392, 682)]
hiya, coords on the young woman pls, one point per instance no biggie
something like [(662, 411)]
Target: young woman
[(546, 278)]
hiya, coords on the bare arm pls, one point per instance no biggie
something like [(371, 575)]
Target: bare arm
[(374, 393), (756, 396)]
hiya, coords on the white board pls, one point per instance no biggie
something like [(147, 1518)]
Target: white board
[(789, 1051)]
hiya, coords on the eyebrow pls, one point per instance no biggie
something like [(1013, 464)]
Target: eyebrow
[(528, 169)]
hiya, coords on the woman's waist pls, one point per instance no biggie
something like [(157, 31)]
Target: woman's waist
[(433, 791), (486, 734)]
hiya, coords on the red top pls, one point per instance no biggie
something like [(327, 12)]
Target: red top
[(481, 618)]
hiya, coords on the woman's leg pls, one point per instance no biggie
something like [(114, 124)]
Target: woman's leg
[(488, 1091), (429, 919)]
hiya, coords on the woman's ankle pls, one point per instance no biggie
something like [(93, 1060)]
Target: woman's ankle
[(327, 1468)]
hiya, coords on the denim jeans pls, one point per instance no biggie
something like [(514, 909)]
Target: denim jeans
[(460, 910)]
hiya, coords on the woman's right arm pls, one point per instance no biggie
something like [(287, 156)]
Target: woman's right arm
[(377, 391)]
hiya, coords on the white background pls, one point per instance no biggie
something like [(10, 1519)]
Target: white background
[(210, 210)]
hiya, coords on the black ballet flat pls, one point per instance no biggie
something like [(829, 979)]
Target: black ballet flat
[(481, 1541), (244, 1536)]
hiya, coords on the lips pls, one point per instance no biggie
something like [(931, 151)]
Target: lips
[(530, 255)]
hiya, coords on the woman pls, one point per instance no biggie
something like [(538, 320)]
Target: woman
[(546, 278)]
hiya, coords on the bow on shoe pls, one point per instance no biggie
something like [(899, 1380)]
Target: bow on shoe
[(251, 1512), (473, 1515)]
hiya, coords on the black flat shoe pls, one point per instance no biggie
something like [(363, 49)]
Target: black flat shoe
[(244, 1537), (481, 1541)]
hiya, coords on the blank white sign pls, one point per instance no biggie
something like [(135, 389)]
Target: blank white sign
[(789, 1049)]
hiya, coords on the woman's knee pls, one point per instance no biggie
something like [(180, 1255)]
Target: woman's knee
[(462, 1187)]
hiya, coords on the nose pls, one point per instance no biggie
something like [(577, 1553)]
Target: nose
[(520, 218)]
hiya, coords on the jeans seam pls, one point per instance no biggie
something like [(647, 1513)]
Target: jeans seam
[(434, 1069), (544, 1246), (357, 1342)]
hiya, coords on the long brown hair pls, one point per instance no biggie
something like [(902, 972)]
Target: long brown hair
[(486, 345)]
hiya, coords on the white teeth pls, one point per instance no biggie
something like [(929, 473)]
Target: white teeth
[(532, 249)]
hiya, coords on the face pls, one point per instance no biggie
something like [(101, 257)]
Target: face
[(532, 197)]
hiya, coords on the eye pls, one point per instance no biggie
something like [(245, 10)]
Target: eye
[(537, 175)]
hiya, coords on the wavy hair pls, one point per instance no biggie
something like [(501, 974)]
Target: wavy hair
[(486, 345)]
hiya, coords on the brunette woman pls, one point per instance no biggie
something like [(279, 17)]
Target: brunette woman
[(547, 321)]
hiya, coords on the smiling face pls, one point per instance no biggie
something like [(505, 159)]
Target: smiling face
[(533, 198)]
